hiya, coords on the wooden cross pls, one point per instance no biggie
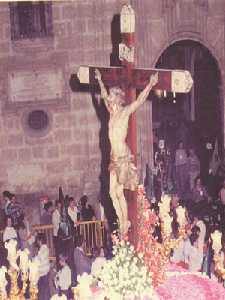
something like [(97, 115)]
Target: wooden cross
[(132, 79)]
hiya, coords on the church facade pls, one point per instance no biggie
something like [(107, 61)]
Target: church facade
[(50, 130)]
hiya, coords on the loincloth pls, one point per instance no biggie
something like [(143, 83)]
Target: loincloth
[(126, 171)]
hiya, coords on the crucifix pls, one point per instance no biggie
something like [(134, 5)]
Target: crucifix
[(122, 168)]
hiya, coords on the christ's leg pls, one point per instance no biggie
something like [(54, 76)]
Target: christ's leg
[(123, 206), (113, 195), (119, 201)]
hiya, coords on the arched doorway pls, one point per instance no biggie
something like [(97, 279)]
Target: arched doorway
[(194, 118)]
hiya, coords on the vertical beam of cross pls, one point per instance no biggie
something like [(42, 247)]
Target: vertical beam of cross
[(127, 56)]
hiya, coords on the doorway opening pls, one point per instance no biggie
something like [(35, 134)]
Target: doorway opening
[(194, 118)]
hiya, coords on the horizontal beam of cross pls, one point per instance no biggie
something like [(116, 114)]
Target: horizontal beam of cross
[(178, 81)]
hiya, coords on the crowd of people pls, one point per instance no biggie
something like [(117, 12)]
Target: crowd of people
[(204, 200), (69, 243), (193, 253), (180, 172)]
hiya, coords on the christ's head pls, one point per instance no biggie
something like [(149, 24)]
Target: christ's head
[(116, 98)]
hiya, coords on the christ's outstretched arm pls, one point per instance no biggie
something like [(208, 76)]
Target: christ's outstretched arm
[(143, 95), (104, 93)]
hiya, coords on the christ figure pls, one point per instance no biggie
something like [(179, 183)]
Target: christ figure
[(123, 172)]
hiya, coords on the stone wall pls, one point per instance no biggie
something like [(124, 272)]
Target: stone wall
[(69, 155)]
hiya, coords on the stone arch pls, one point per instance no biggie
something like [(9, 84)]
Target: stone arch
[(219, 62), (194, 38)]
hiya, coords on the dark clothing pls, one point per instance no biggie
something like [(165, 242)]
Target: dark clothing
[(87, 213), (182, 180), (68, 293), (46, 219), (200, 206), (82, 262), (3, 256), (43, 288), (2, 219), (14, 211)]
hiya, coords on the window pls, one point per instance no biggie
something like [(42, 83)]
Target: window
[(30, 19), (36, 122)]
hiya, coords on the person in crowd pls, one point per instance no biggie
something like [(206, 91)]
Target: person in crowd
[(177, 256), (193, 255), (66, 233), (2, 217), (17, 213), (200, 199), (44, 267), (26, 236), (13, 209), (87, 212), (222, 206), (46, 217), (178, 252), (56, 219), (7, 197), (82, 261), (9, 231), (181, 170), (3, 257), (193, 167), (63, 278), (208, 258), (202, 234), (72, 211)]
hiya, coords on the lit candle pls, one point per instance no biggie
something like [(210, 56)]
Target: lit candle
[(12, 253), (180, 215), (34, 272), (164, 205), (24, 260), (216, 240), (167, 220), (3, 281)]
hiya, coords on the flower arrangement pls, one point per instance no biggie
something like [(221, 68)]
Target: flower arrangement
[(156, 255), (126, 274), (147, 243), (124, 277)]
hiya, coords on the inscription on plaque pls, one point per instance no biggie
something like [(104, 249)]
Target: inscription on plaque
[(34, 86)]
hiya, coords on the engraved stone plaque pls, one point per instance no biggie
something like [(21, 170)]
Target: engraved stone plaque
[(35, 86)]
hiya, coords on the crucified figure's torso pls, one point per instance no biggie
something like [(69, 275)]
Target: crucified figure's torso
[(118, 127)]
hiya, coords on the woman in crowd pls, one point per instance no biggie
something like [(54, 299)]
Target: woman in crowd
[(44, 267), (26, 236), (193, 167), (63, 278), (9, 231), (181, 170), (193, 254), (200, 199), (81, 260)]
